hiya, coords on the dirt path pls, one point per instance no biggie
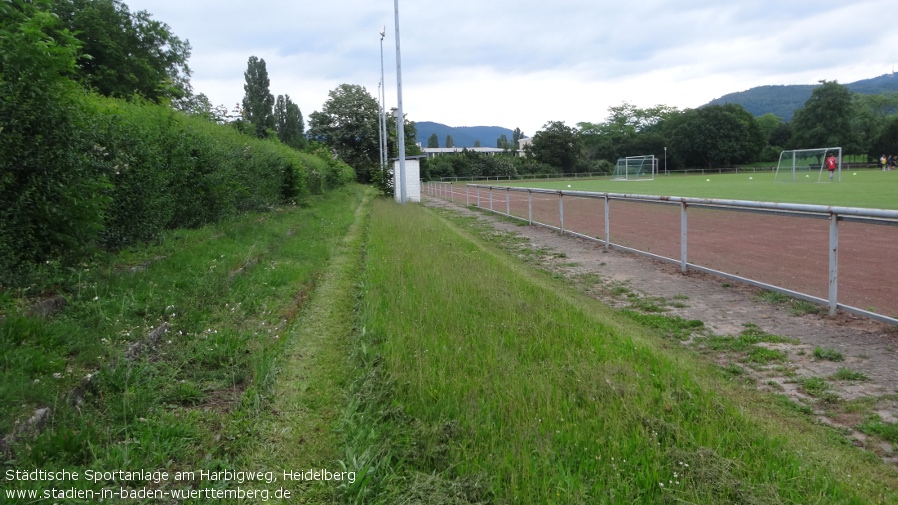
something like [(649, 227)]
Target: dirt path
[(868, 348)]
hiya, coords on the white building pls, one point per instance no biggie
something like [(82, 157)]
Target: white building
[(522, 143), (412, 179)]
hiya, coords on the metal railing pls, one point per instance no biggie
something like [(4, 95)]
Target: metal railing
[(487, 197), (487, 178)]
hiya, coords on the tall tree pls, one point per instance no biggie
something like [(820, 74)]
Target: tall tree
[(476, 143), (258, 101), (516, 136), (557, 145), (715, 135), (871, 114), (887, 140), (348, 123), (411, 137), (826, 119), (768, 123), (627, 131), (289, 123), (433, 141), (449, 142), (502, 142), (781, 136), (129, 53)]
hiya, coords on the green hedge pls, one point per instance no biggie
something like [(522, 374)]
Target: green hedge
[(81, 173), (169, 170)]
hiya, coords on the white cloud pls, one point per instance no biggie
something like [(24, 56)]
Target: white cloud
[(468, 63)]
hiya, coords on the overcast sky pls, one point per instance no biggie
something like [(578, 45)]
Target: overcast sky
[(522, 64)]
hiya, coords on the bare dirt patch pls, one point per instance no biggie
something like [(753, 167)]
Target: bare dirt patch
[(842, 370)]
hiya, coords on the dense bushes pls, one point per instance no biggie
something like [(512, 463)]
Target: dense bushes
[(95, 172), (169, 170), (80, 173), (50, 204)]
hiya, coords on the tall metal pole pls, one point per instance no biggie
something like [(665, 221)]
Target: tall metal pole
[(400, 126), (382, 120), (380, 131)]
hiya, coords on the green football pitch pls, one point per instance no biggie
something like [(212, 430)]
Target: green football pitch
[(859, 188)]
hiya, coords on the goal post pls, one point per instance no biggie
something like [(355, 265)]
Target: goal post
[(808, 165), (635, 168)]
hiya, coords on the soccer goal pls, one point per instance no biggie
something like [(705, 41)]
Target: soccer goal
[(635, 168), (808, 165)]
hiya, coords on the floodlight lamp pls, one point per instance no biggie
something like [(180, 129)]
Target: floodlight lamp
[(383, 32)]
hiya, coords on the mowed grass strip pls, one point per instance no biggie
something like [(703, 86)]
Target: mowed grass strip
[(192, 400), (297, 432), (500, 384)]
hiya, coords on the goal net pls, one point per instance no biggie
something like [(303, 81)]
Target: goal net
[(635, 168), (809, 165)]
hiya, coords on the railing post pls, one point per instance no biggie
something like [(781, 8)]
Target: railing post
[(530, 207), (491, 198), (467, 196), (561, 210), (507, 202), (478, 197), (683, 236), (607, 222), (833, 262), (451, 193)]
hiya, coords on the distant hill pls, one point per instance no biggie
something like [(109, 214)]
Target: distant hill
[(462, 136), (785, 99)]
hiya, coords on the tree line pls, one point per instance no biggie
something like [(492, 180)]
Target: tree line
[(713, 136), (722, 135)]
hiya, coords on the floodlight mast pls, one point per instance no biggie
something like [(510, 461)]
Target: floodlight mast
[(400, 127), (382, 96)]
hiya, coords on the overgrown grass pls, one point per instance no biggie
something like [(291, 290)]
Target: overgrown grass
[(878, 427), (191, 401), (487, 381), (847, 374), (670, 326), (746, 341), (796, 307), (828, 354), (815, 386)]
